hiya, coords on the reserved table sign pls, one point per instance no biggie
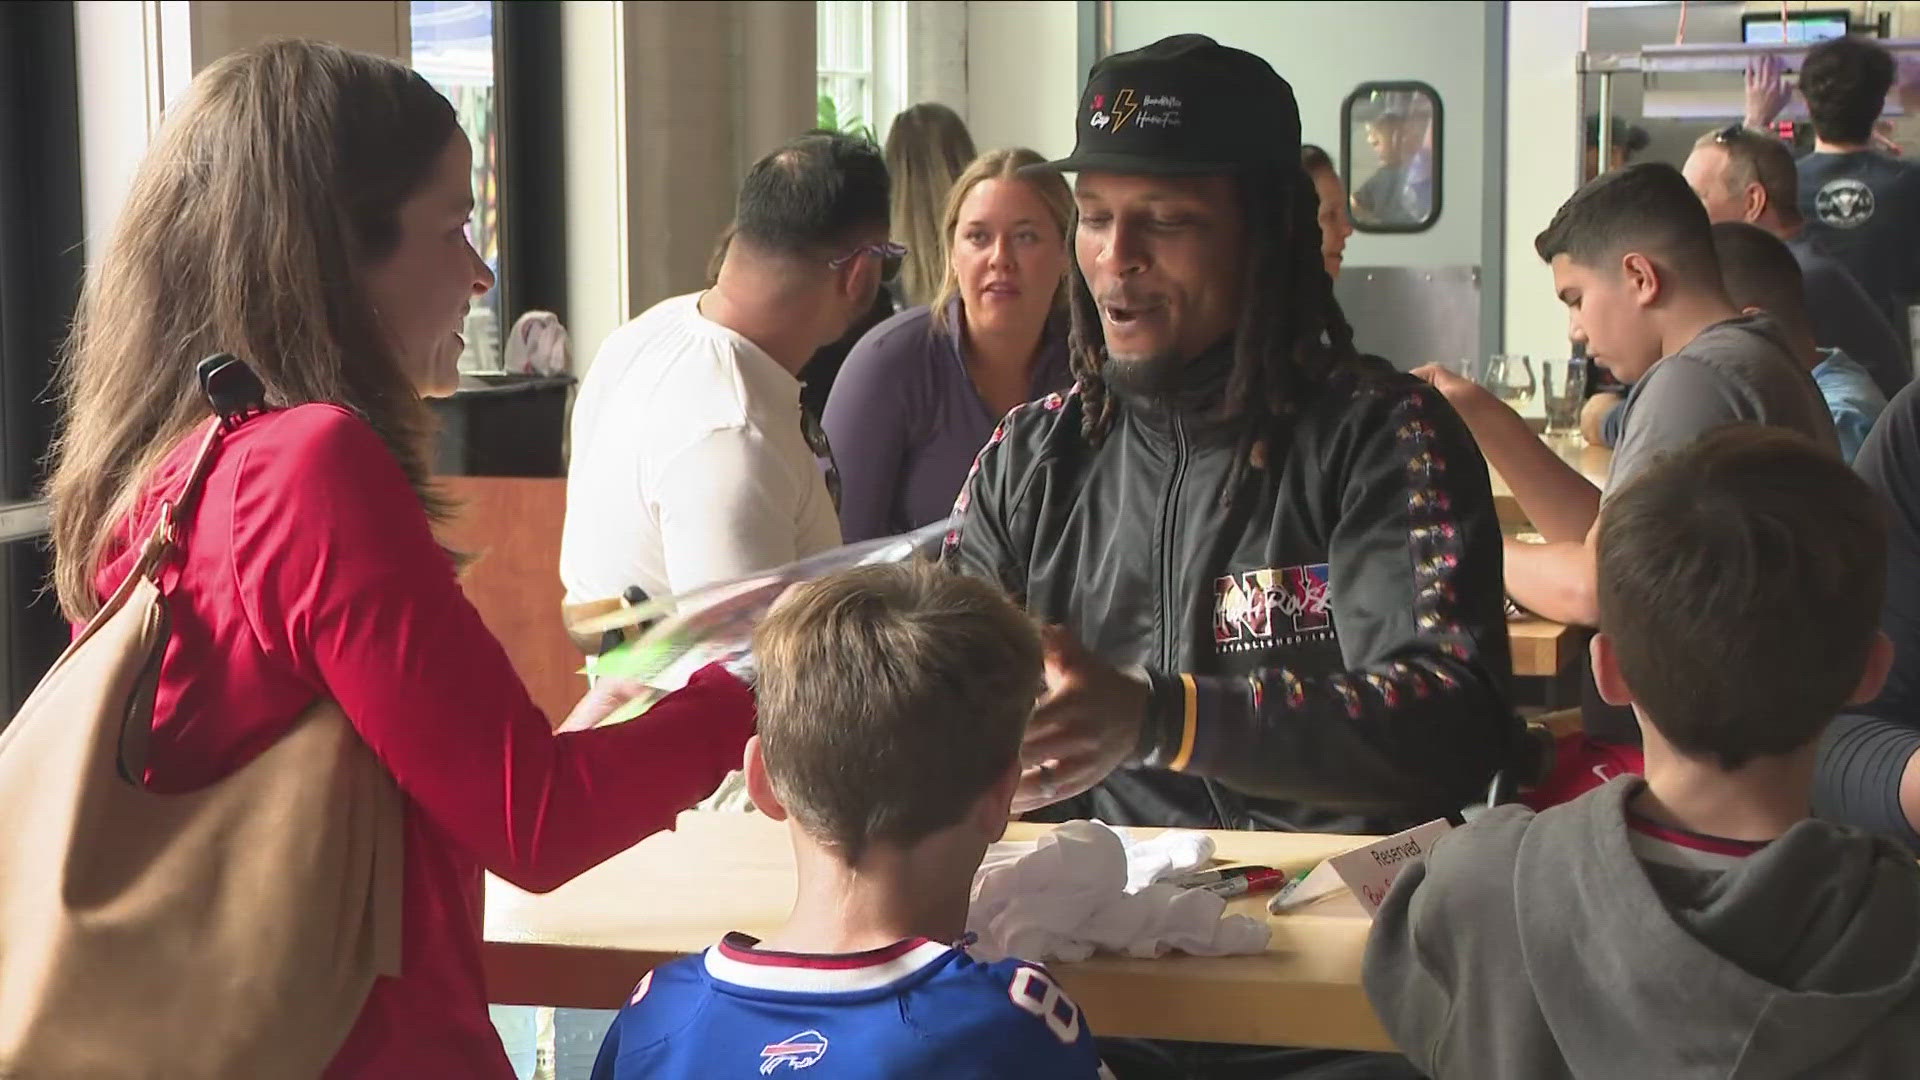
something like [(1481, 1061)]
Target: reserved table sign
[(1366, 871)]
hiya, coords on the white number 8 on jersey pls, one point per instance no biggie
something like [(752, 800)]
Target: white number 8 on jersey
[(1033, 991)]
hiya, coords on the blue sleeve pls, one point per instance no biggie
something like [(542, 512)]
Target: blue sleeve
[(1611, 424), (1851, 426), (603, 1063)]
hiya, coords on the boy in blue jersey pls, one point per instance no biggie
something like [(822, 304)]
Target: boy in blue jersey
[(892, 704)]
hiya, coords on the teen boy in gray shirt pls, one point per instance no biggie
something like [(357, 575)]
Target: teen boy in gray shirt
[(1633, 259)]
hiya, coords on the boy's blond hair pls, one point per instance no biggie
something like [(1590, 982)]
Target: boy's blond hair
[(891, 698)]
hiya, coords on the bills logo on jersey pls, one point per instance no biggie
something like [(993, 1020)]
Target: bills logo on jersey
[(801, 1051), (1272, 606)]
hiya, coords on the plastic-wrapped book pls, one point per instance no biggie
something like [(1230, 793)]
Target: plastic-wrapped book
[(670, 638)]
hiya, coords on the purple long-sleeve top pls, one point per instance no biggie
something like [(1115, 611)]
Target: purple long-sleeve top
[(905, 420)]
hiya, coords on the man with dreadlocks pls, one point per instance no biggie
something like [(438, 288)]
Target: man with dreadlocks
[(1289, 550), (1270, 567)]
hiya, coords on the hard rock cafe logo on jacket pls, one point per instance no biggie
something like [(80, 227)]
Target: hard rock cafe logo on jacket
[(1257, 609)]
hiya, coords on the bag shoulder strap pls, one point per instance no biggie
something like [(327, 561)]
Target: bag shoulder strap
[(235, 393)]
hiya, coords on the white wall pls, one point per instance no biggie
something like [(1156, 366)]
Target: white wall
[(119, 100), (1325, 50), (593, 93), (136, 56), (1023, 78), (1543, 38)]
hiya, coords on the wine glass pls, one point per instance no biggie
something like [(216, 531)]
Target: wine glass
[(1512, 379)]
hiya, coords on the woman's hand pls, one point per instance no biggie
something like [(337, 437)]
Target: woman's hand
[(607, 697)]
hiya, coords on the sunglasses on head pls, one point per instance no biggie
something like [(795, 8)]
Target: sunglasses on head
[(1730, 133), (889, 253)]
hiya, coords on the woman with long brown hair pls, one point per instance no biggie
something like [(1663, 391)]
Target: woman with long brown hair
[(921, 393), (927, 148), (304, 207)]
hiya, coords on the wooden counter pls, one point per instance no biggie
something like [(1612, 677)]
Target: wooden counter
[(1540, 648), (511, 527), (587, 943)]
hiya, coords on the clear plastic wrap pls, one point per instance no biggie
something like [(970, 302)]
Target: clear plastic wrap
[(670, 638)]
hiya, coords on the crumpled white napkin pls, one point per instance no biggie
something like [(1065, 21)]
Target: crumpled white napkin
[(538, 345), (1086, 886)]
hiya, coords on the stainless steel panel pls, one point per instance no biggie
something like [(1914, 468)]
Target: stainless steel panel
[(1412, 316)]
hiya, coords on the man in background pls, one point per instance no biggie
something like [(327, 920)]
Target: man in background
[(691, 460), (1628, 140), (1397, 194), (1862, 206), (1746, 175)]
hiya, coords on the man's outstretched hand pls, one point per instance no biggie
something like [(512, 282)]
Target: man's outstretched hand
[(1767, 91), (1087, 722)]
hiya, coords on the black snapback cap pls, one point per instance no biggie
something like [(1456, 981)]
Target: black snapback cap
[(1185, 105)]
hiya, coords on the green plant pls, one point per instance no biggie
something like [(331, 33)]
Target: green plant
[(828, 118)]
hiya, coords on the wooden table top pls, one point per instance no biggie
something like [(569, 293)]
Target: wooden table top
[(588, 942)]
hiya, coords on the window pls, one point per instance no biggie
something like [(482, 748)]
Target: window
[(453, 49), (41, 243), (1390, 135), (860, 51)]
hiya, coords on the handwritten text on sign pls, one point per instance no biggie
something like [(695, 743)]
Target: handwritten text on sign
[(1370, 870)]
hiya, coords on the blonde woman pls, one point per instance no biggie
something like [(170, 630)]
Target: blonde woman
[(305, 207), (921, 394), (927, 149)]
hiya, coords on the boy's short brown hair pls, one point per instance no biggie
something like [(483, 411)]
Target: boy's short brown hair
[(1646, 208), (891, 698), (1740, 580)]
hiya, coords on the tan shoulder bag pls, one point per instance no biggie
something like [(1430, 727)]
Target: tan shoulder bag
[(232, 931)]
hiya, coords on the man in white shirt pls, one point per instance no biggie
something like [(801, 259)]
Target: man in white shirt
[(691, 463)]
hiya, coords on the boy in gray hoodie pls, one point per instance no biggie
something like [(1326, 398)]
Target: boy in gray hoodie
[(1694, 923)]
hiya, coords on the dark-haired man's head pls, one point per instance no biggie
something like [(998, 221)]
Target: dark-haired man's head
[(1745, 175), (1626, 140), (1628, 250), (1336, 224), (1760, 274), (1740, 584), (1161, 256), (813, 217), (1845, 82)]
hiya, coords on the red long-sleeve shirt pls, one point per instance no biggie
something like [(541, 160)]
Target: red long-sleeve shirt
[(310, 569)]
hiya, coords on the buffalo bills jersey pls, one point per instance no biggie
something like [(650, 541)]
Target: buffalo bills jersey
[(914, 1009)]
